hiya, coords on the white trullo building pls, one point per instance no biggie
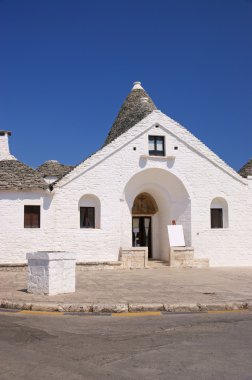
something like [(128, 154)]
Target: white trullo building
[(150, 171)]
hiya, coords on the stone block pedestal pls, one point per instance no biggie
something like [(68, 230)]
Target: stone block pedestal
[(134, 257), (51, 272), (183, 257)]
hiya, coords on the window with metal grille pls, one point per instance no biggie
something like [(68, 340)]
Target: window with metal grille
[(31, 216), (156, 146)]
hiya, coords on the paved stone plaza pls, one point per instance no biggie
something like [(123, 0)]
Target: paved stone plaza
[(147, 286)]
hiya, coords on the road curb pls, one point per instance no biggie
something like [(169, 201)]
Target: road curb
[(125, 307)]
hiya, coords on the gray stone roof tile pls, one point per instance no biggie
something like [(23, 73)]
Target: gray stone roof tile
[(246, 170), (14, 175), (53, 168), (136, 107)]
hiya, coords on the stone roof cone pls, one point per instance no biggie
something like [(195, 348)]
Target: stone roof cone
[(53, 168), (246, 170), (14, 175), (136, 107)]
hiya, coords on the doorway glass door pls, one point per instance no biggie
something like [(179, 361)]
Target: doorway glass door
[(141, 232)]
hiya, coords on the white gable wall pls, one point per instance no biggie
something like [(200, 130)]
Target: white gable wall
[(189, 183), (203, 179)]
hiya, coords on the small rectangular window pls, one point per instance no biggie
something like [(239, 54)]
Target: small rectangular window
[(87, 217), (156, 146), (216, 218), (31, 216)]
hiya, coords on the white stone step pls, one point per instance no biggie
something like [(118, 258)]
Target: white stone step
[(97, 265), (158, 264), (198, 263)]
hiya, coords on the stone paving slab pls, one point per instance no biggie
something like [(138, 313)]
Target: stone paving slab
[(169, 289)]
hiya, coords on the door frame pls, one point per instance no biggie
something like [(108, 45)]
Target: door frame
[(150, 232)]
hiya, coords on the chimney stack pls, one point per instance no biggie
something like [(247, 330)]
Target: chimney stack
[(4, 146)]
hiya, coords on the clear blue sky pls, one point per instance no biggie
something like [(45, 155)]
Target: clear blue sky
[(67, 65)]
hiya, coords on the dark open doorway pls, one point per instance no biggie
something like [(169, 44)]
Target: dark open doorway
[(141, 233)]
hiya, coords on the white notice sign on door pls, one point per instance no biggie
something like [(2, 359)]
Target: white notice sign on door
[(176, 236)]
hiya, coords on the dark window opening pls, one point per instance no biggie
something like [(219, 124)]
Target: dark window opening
[(31, 216), (87, 217), (156, 146), (216, 218)]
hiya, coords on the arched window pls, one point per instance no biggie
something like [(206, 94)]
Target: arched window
[(219, 213), (90, 211)]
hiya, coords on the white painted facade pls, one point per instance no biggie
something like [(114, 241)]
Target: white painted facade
[(184, 183)]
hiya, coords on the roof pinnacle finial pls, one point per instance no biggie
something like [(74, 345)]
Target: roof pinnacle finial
[(135, 108), (137, 86)]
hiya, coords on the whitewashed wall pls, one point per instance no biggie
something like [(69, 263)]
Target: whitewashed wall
[(190, 182), (15, 240)]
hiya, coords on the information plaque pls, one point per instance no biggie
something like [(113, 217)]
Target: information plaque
[(176, 236)]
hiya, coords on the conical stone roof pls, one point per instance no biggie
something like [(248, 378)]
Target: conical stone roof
[(136, 107), (53, 168), (246, 170), (14, 175)]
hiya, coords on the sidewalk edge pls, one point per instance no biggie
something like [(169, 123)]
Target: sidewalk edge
[(125, 307)]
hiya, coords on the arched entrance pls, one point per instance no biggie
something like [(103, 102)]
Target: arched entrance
[(144, 207), (161, 195)]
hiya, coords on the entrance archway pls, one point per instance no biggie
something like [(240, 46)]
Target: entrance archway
[(144, 207), (164, 193)]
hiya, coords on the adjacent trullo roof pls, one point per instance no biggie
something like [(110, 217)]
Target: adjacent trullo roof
[(53, 168), (136, 107), (14, 175), (246, 170)]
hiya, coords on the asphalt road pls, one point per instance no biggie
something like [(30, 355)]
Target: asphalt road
[(188, 346)]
